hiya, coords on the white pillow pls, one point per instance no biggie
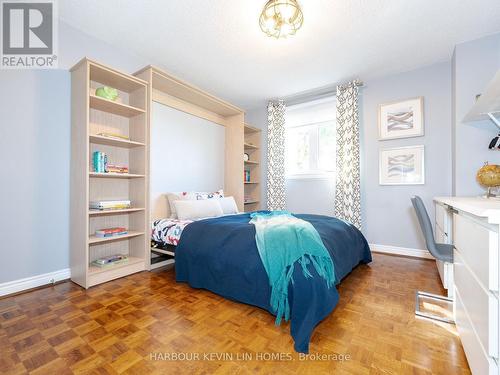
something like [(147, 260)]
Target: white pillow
[(228, 205), (192, 210), (190, 196)]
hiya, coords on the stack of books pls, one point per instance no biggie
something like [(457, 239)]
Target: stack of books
[(112, 168), (110, 205), (110, 260), (110, 232)]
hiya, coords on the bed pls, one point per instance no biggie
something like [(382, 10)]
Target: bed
[(220, 255), (165, 232)]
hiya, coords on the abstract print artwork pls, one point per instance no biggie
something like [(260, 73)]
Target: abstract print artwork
[(401, 119), (402, 166), (347, 180), (276, 155)]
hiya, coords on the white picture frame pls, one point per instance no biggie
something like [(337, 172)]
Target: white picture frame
[(402, 165), (401, 119)]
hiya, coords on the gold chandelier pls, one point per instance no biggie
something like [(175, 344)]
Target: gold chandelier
[(281, 18)]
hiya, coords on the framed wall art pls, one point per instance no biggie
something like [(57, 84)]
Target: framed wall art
[(402, 119), (402, 166)]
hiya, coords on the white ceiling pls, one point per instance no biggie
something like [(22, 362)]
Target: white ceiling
[(218, 46)]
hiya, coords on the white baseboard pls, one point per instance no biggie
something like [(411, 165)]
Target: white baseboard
[(34, 281), (396, 250)]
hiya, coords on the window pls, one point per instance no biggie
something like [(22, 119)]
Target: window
[(310, 140)]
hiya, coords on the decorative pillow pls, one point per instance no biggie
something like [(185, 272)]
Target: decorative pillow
[(228, 205), (197, 209), (206, 195)]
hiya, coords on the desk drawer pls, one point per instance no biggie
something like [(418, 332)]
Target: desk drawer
[(479, 248), (479, 361), (481, 306)]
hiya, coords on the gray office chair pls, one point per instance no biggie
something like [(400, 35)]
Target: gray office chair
[(440, 251)]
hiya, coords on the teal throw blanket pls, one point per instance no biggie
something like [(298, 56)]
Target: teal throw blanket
[(282, 240)]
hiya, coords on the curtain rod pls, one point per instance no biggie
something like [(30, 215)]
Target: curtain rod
[(314, 94)]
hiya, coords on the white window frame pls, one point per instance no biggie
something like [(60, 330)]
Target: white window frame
[(311, 174)]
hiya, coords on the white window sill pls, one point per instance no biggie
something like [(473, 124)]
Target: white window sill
[(310, 177)]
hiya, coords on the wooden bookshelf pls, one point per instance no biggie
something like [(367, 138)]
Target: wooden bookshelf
[(131, 261), (115, 175), (251, 202), (114, 212), (118, 142), (249, 146), (252, 145), (115, 108), (130, 234), (127, 118)]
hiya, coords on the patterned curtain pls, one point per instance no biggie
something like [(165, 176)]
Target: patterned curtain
[(276, 155), (347, 185)]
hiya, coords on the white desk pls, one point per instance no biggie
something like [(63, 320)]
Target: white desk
[(472, 226)]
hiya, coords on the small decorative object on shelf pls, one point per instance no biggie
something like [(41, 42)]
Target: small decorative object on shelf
[(246, 157), (110, 232), (110, 205), (110, 260), (488, 176), (107, 93)]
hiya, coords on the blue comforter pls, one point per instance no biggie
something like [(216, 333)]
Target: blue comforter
[(221, 255)]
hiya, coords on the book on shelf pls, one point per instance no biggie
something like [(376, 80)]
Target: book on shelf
[(99, 161), (110, 232), (112, 168), (110, 260), (110, 204)]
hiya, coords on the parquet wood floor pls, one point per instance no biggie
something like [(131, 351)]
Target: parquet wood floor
[(132, 325)]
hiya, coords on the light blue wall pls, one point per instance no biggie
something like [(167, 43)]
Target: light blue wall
[(388, 218), (35, 151), (474, 65), (34, 188)]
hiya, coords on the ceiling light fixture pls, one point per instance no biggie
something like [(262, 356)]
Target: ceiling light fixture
[(281, 18)]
